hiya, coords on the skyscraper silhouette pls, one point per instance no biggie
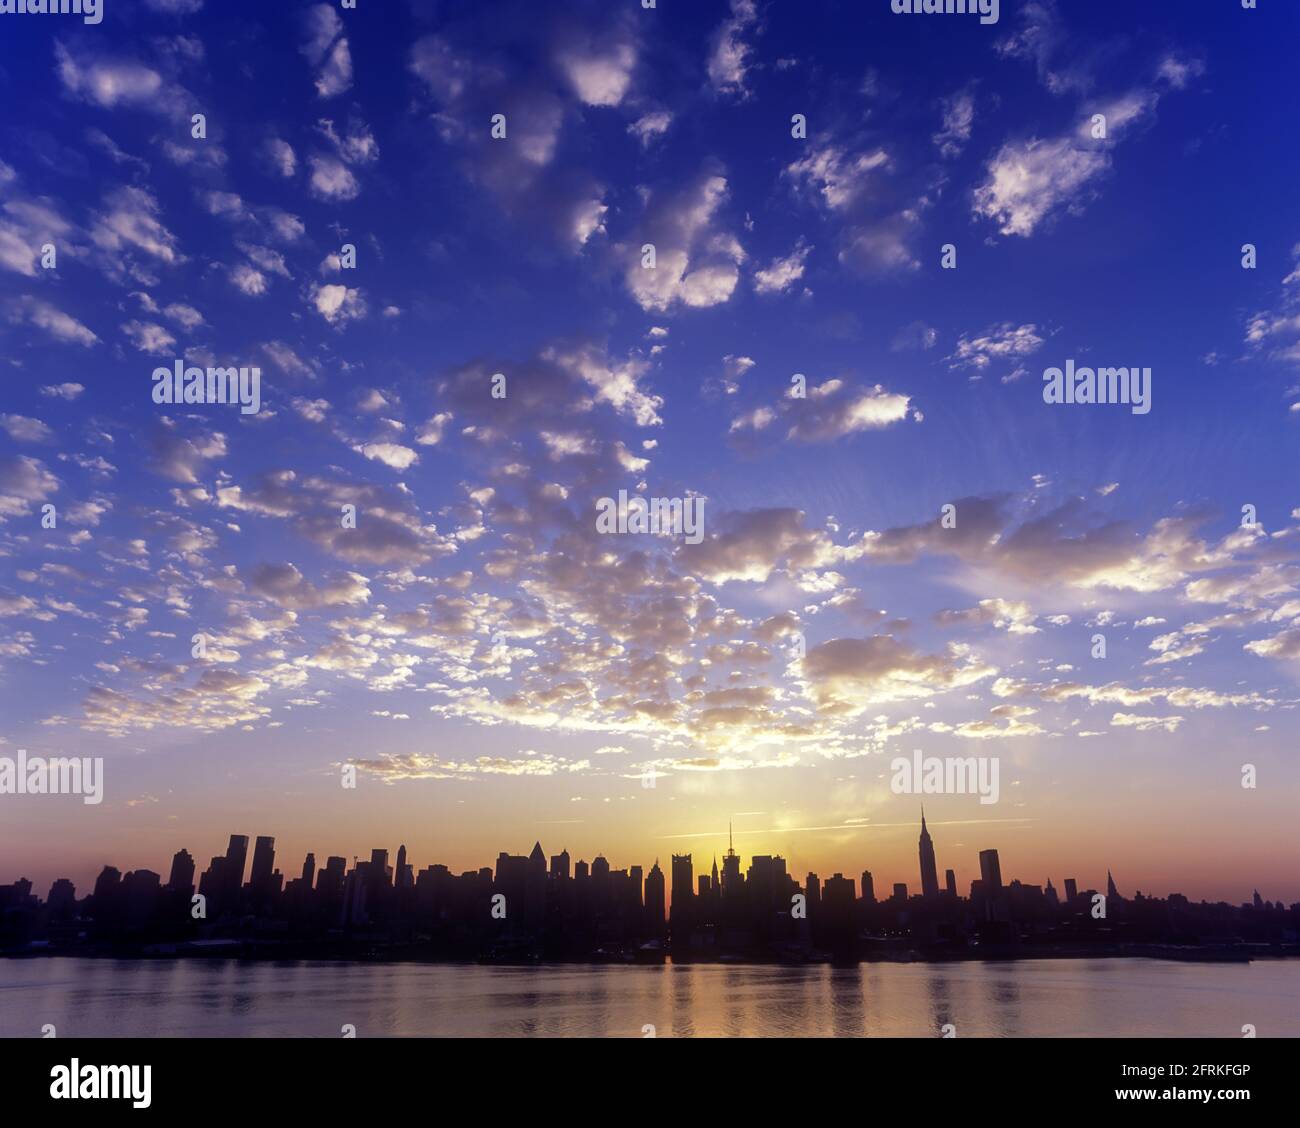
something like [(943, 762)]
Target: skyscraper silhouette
[(929, 872), (990, 872), (731, 880), (232, 870), (654, 899), (182, 875), (560, 865), (259, 877), (683, 882)]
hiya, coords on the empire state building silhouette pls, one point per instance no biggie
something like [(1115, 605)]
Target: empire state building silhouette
[(929, 871)]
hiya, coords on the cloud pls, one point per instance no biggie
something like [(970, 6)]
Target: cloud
[(614, 382), (247, 280), (66, 391), (471, 72), (149, 337), (130, 222), (1006, 343), (25, 227), (783, 272), (600, 74), (1071, 546), (835, 177), (219, 699), (749, 545), (332, 180), (650, 126), (916, 335), (733, 370), (1039, 40), (23, 480), (181, 458), (338, 304), (24, 429), (392, 767), (849, 675), (877, 230), (393, 455), (696, 261), (109, 83), (1146, 724), (391, 533), (1283, 646), (1277, 331), (285, 586), (958, 118), (281, 157), (42, 315), (326, 48), (828, 411), (729, 53), (1029, 181), (1012, 616)]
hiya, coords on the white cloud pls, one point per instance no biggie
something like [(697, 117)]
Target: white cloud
[(600, 77), (326, 48), (394, 455), (730, 52), (1001, 343), (281, 156), (958, 118), (649, 126), (24, 429), (55, 322), (835, 177), (697, 264), (331, 179), (66, 391), (338, 304), (783, 272), (108, 83), (247, 280), (149, 337)]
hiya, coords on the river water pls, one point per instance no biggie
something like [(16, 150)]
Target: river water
[(1038, 998)]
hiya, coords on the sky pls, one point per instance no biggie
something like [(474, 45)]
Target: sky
[(495, 669)]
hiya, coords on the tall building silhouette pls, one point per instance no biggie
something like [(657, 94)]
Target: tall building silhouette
[(683, 882), (654, 899), (929, 872), (259, 877), (731, 879), (232, 869), (182, 875), (868, 887), (950, 882), (990, 872), (560, 865)]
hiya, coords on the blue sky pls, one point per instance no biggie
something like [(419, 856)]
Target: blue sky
[(630, 658)]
